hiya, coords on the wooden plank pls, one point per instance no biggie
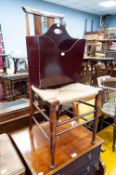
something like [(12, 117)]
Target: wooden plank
[(37, 25), (27, 24), (10, 162), (41, 13), (50, 22)]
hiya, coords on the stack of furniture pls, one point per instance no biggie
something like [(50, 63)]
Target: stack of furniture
[(99, 56), (92, 42)]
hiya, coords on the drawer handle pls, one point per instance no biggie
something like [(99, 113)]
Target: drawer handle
[(96, 166), (90, 156), (88, 169)]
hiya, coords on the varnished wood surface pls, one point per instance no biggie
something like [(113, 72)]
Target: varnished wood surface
[(13, 107), (9, 158), (34, 148)]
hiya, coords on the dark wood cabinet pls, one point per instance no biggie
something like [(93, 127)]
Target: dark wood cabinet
[(14, 86), (88, 164)]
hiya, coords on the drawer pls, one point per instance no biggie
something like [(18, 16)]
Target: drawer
[(86, 162), (88, 170)]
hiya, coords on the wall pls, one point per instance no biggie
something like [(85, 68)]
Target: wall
[(112, 21), (12, 20)]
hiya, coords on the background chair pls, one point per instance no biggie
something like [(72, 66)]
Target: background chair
[(108, 105)]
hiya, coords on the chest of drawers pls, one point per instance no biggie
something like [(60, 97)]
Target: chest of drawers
[(75, 155)]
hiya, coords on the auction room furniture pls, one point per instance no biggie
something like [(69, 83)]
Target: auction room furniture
[(14, 115), (96, 67), (10, 162), (108, 84), (75, 154), (55, 64), (14, 86), (92, 45)]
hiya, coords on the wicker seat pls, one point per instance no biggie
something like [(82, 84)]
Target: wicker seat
[(67, 93)]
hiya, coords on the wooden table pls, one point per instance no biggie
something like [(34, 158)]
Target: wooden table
[(15, 85), (74, 152)]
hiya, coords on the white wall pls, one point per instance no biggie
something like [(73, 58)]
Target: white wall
[(12, 20)]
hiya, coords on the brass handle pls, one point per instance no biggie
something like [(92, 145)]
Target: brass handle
[(90, 156), (96, 166), (88, 169)]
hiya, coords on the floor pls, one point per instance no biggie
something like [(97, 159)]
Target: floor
[(108, 157)]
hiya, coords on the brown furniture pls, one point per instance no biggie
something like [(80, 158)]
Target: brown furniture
[(14, 115), (14, 86), (92, 45), (10, 163), (74, 153), (55, 59), (96, 67)]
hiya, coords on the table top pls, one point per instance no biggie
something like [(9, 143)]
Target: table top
[(13, 56), (10, 107), (36, 150), (10, 162), (14, 76)]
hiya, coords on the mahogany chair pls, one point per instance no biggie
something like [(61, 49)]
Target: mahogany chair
[(55, 65)]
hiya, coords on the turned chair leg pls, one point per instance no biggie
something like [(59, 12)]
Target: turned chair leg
[(96, 118), (52, 121), (114, 136), (31, 107)]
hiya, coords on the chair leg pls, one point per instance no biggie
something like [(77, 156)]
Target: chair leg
[(53, 120), (96, 117), (31, 107), (114, 136)]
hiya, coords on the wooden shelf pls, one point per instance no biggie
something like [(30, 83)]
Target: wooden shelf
[(106, 40)]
